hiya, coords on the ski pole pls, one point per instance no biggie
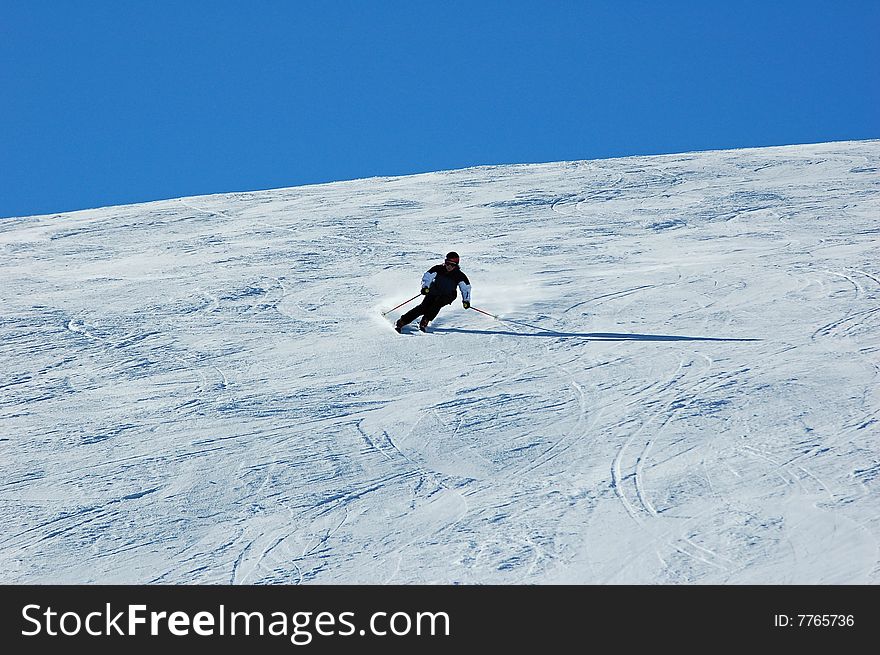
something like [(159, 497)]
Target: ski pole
[(401, 304), (509, 320), (486, 313)]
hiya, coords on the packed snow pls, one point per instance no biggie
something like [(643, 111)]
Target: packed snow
[(678, 382)]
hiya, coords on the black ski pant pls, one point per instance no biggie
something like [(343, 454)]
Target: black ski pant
[(428, 310)]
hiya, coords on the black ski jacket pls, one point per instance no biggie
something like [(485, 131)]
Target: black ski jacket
[(443, 283)]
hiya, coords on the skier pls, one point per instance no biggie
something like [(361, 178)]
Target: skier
[(439, 288)]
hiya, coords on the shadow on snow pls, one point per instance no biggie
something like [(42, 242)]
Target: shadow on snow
[(595, 336)]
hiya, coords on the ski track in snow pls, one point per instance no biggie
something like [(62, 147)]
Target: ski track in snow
[(681, 387)]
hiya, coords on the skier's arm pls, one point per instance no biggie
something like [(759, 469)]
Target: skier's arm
[(428, 279), (465, 291)]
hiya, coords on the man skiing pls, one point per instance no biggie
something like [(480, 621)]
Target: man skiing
[(439, 288)]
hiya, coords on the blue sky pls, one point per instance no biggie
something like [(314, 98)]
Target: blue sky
[(119, 102)]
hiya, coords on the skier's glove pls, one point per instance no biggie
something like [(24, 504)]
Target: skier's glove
[(465, 304), (424, 291)]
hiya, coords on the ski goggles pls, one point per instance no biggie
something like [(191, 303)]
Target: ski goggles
[(449, 262)]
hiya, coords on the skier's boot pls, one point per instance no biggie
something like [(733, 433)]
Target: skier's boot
[(398, 326), (423, 325)]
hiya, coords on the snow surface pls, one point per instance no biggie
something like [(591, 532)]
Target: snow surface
[(682, 388)]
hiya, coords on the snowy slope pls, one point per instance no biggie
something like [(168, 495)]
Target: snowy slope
[(683, 388)]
